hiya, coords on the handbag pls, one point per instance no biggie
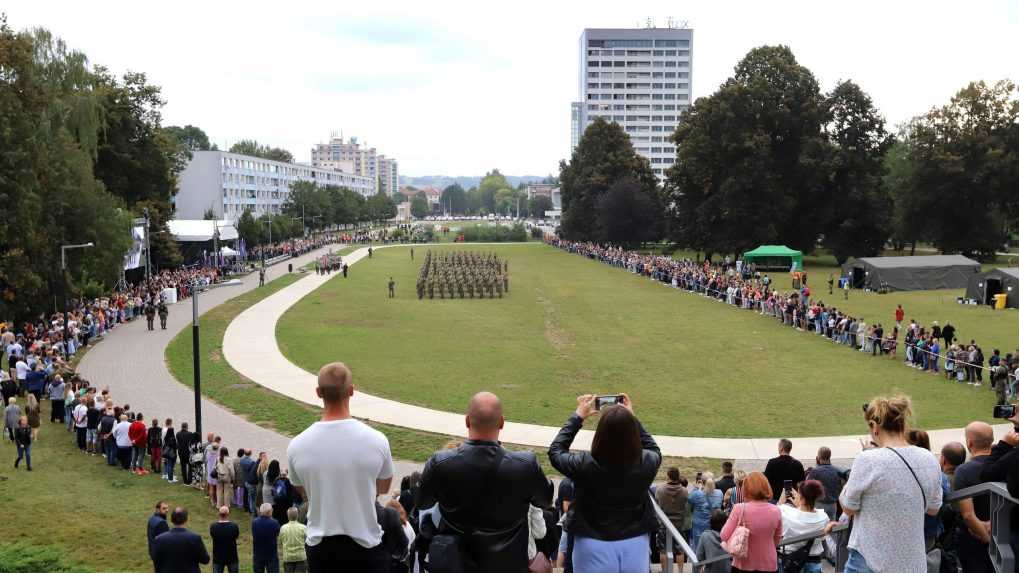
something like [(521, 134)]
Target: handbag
[(738, 544), (540, 564), (934, 555)]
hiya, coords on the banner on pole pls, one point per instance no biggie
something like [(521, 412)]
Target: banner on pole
[(135, 256)]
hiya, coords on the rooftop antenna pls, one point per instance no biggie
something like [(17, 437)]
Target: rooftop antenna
[(650, 23)]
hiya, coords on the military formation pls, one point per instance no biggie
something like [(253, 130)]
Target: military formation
[(463, 274)]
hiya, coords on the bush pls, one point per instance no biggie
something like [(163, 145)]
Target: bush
[(494, 234), (537, 233), (25, 558)]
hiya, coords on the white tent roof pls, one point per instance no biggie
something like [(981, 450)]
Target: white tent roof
[(228, 252), (191, 230)]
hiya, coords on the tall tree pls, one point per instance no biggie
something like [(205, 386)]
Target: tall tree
[(190, 138), (860, 209), (603, 157), (454, 199), (627, 215), (537, 205), (248, 229), (751, 159), (50, 116), (255, 149), (419, 207), (136, 160), (490, 184), (966, 168), (908, 222)]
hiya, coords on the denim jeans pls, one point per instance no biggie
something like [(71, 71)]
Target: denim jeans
[(110, 445), (250, 488), (26, 452), (856, 563), (168, 464), (137, 457)]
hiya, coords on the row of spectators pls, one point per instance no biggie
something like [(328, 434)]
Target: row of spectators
[(479, 507), (742, 286)]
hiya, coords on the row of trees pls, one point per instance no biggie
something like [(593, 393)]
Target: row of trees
[(315, 207), (493, 195), (769, 158), (256, 149), (82, 153)]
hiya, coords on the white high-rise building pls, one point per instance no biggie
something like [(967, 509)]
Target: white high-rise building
[(640, 79)]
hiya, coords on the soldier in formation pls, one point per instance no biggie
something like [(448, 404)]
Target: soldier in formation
[(464, 274)]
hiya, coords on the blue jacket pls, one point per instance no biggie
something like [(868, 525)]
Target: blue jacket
[(157, 525), (265, 532), (179, 551), (35, 381)]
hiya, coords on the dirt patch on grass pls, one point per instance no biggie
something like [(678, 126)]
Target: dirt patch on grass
[(559, 338)]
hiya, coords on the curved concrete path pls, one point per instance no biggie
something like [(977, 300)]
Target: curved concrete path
[(131, 362), (250, 347)]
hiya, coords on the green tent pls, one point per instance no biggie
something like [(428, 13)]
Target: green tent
[(774, 257)]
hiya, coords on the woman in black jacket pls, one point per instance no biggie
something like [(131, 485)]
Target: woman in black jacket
[(611, 516)]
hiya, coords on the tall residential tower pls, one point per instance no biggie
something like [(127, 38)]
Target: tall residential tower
[(640, 79)]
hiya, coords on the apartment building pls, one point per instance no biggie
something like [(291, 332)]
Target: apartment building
[(228, 183), (640, 79)]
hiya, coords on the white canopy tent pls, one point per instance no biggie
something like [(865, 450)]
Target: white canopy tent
[(192, 230), (228, 252)]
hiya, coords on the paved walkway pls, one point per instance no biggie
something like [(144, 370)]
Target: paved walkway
[(131, 362), (250, 347)]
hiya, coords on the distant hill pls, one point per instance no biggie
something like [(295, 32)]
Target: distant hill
[(443, 181)]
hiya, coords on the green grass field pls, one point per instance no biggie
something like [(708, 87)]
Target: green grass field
[(693, 366), (233, 391), (75, 508)]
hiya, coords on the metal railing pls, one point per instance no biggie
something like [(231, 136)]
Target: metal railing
[(673, 538), (1000, 548), (1002, 504)]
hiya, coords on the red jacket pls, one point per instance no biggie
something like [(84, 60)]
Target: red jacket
[(138, 434)]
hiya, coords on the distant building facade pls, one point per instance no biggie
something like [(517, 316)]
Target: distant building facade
[(228, 183), (542, 189), (359, 160), (640, 79)]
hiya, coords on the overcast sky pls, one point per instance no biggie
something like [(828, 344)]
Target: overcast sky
[(458, 88)]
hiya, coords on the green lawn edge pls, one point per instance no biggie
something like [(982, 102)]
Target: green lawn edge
[(235, 392)]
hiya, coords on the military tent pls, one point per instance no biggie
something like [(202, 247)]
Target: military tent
[(983, 286), (911, 273)]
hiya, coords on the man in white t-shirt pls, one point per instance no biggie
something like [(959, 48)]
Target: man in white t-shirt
[(340, 465), (121, 434)]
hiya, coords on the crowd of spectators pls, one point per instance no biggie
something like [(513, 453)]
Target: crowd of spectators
[(933, 348)]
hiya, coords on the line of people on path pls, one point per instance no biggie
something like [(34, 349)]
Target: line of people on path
[(742, 286)]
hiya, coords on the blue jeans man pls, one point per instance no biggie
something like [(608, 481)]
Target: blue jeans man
[(26, 452), (250, 489), (110, 447)]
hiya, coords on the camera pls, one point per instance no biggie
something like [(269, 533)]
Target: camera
[(609, 400), (1005, 411)]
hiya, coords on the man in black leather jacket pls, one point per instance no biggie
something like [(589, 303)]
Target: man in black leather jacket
[(483, 491), (1003, 465)]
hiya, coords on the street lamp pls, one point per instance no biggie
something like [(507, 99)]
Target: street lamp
[(195, 289), (67, 287), (269, 222)]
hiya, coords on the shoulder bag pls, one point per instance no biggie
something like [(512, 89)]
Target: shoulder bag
[(738, 544), (934, 555)]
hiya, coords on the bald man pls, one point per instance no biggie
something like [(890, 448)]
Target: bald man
[(340, 465), (975, 512), (483, 488)]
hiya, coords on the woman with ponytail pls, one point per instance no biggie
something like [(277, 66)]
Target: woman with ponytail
[(891, 487)]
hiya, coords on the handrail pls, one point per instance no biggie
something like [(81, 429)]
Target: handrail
[(996, 487), (673, 534), (1002, 503)]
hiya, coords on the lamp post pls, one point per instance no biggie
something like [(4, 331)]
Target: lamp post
[(269, 222), (195, 289), (67, 287)]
